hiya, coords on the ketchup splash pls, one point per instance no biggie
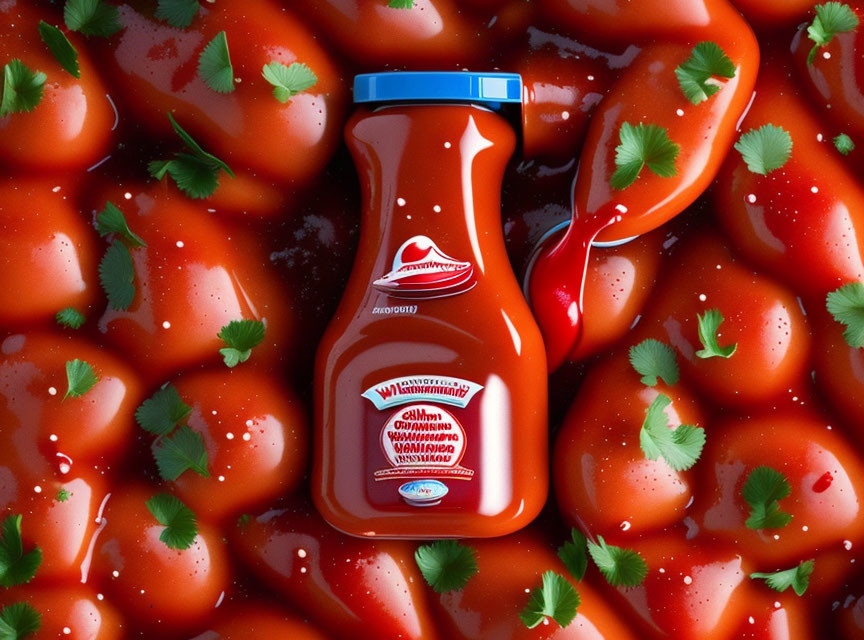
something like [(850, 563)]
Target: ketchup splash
[(823, 482)]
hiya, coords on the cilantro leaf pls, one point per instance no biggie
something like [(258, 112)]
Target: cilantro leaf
[(555, 598), (446, 565), (706, 61), (177, 13), (19, 620), (643, 144), (214, 65), (654, 359), (709, 322), (16, 567), (240, 336), (179, 453), (60, 47), (763, 490), (22, 88), (765, 149), (574, 554), (62, 495), (80, 378), (117, 276), (112, 220), (401, 4), (680, 447), (288, 81), (162, 411), (797, 577), (181, 526), (846, 304), (621, 567), (92, 17), (70, 317), (843, 143), (195, 173), (831, 18)]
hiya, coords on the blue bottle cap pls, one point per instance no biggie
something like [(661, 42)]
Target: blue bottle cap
[(490, 89)]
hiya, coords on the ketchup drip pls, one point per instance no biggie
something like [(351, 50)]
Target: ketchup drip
[(823, 483)]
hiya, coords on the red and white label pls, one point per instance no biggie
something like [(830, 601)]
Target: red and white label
[(422, 271)]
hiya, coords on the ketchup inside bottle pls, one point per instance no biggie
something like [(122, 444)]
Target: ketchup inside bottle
[(431, 378)]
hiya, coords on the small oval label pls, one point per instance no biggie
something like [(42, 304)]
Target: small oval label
[(423, 493)]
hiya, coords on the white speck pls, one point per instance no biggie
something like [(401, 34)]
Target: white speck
[(565, 115), (847, 544), (180, 244), (247, 437), (127, 195), (591, 78), (527, 590), (805, 528), (229, 436), (751, 620), (719, 267), (447, 145), (795, 399), (100, 596), (66, 631), (688, 580), (408, 217), (221, 478), (302, 569), (142, 592), (211, 210), (56, 189), (625, 526), (702, 297), (249, 423), (751, 198), (662, 570), (301, 553), (166, 325), (115, 573), (221, 598), (621, 208), (776, 604), (213, 412), (679, 112), (819, 137), (38, 489), (776, 536), (52, 391), (437, 208), (826, 55), (65, 468), (400, 202), (53, 437), (814, 189)]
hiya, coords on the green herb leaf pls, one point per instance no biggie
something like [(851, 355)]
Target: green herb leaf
[(763, 490), (91, 17), (62, 495), (797, 577), (709, 323), (111, 220), (654, 359), (621, 567), (846, 304), (70, 317), (80, 378), (401, 4), (179, 453), (706, 61), (679, 447), (446, 565), (555, 598), (765, 149), (288, 81), (244, 520), (60, 47), (179, 521), (177, 13), (574, 554), (19, 620), (117, 276), (214, 65), (22, 88), (844, 144), (644, 144), (195, 173), (831, 18), (16, 567), (240, 337), (162, 411)]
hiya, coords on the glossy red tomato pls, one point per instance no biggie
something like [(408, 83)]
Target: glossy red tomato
[(240, 622), (71, 126), (839, 371), (47, 252), (256, 436), (154, 585), (771, 14), (824, 472), (291, 142), (488, 607), (353, 588), (73, 611), (601, 477), (767, 324), (768, 615)]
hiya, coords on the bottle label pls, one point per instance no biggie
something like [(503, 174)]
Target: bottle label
[(441, 389), (422, 271)]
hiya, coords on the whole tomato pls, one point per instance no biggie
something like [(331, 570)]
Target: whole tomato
[(242, 621), (72, 611)]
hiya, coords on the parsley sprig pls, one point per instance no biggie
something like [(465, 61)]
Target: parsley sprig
[(177, 13), (574, 554), (844, 144), (797, 577), (654, 360), (288, 81), (22, 88), (92, 17), (831, 18), (16, 567), (240, 337), (555, 598), (846, 304), (80, 378), (641, 145), (709, 323), (401, 4), (214, 65), (446, 565), (765, 149), (195, 173), (763, 490), (680, 447), (117, 276), (162, 412), (707, 60), (60, 47), (621, 567), (181, 526), (111, 220), (18, 621), (70, 317)]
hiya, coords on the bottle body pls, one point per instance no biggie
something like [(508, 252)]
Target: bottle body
[(430, 390)]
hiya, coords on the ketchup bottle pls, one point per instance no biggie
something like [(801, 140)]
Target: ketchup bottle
[(430, 382)]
